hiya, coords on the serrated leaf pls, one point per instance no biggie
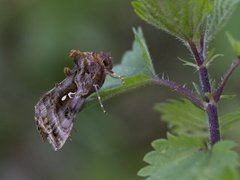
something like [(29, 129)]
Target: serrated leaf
[(136, 68), (182, 19), (183, 117), (234, 43), (230, 119), (222, 11), (187, 158)]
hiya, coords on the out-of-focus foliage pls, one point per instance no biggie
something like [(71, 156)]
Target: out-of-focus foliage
[(229, 119)]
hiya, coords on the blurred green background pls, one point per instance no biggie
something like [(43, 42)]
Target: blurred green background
[(35, 40)]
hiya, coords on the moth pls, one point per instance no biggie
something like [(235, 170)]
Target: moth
[(56, 111)]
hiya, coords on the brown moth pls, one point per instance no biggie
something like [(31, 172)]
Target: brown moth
[(56, 111)]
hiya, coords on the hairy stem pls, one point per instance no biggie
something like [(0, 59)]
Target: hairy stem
[(210, 106), (212, 112), (203, 71), (179, 88), (217, 94)]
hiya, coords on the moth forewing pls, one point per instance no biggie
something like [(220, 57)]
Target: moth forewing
[(49, 113), (56, 111)]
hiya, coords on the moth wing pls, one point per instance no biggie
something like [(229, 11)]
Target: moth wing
[(55, 113)]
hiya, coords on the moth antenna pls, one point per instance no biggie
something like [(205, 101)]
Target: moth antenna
[(99, 98)]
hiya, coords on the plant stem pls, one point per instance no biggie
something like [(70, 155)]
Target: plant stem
[(210, 106), (212, 112), (217, 94), (203, 71), (179, 88)]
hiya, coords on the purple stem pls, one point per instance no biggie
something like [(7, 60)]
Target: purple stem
[(179, 88), (217, 94), (210, 107), (203, 72), (212, 112)]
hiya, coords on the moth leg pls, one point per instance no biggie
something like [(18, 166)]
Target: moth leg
[(99, 98), (114, 75)]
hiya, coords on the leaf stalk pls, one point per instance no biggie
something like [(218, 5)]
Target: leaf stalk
[(179, 88), (217, 94)]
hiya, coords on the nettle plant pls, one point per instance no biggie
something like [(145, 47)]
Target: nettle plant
[(193, 148)]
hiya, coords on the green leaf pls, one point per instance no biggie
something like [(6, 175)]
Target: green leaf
[(136, 68), (234, 43), (222, 11), (230, 119), (184, 118), (187, 158), (182, 19)]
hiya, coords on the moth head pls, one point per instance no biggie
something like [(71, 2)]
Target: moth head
[(106, 60)]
